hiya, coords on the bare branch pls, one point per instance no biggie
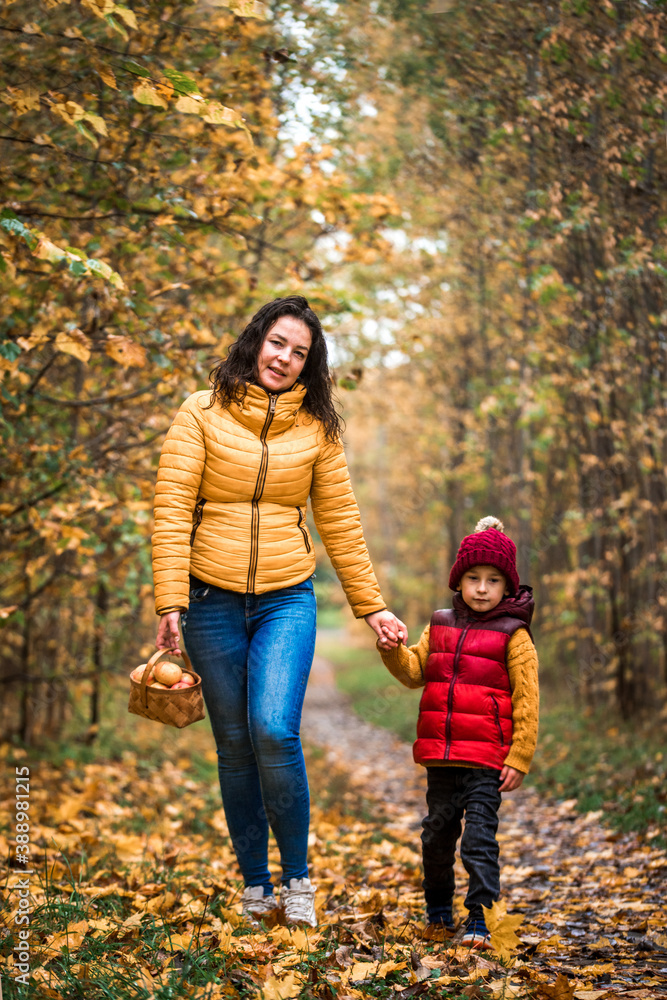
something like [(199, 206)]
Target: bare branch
[(100, 400)]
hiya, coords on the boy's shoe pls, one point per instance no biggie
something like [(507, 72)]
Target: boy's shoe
[(255, 904), (476, 934), (298, 902)]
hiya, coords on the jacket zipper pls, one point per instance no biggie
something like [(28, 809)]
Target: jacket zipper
[(302, 529), (197, 515), (450, 695), (496, 712), (259, 489)]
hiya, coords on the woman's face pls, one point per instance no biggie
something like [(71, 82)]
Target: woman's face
[(283, 354)]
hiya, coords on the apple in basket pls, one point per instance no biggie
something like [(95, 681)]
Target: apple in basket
[(165, 676), (138, 673), (186, 681), (168, 673)]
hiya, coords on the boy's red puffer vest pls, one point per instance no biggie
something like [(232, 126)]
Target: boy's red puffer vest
[(465, 713)]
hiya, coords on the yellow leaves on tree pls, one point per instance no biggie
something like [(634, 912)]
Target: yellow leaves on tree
[(125, 351), (73, 342), (249, 8), (105, 9), (75, 114), (141, 230), (45, 249), (106, 74), (242, 8), (126, 15), (149, 93), (21, 100), (101, 8), (531, 330)]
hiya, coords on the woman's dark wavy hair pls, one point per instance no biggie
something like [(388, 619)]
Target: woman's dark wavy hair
[(231, 377)]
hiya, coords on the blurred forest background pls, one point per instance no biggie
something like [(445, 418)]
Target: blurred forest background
[(472, 195)]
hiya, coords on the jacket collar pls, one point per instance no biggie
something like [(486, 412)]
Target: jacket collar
[(254, 409)]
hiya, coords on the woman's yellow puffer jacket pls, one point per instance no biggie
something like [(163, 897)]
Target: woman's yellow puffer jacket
[(254, 464)]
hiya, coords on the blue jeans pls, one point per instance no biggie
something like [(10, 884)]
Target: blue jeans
[(451, 793), (254, 653)]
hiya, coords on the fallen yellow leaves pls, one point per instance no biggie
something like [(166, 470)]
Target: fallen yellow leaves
[(283, 989), (360, 971), (562, 989), (503, 928), (70, 939), (161, 904), (147, 901), (504, 988)]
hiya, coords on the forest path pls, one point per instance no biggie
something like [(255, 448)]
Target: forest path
[(592, 899)]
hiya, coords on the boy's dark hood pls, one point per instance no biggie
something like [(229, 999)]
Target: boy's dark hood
[(520, 606)]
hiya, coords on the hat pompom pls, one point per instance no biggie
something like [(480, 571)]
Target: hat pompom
[(490, 522), (487, 548)]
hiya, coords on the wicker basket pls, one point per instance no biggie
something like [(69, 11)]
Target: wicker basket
[(177, 708)]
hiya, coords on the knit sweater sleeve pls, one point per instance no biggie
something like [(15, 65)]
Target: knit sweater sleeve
[(408, 663), (522, 668)]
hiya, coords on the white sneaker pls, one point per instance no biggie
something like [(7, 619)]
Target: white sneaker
[(254, 904), (298, 902)]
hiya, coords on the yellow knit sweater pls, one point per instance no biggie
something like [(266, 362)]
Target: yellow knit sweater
[(408, 663)]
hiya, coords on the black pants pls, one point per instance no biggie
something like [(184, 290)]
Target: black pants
[(452, 793)]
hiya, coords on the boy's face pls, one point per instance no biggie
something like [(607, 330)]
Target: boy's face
[(483, 587)]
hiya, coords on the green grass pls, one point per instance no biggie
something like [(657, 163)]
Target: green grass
[(375, 695), (105, 968), (607, 765), (616, 767)]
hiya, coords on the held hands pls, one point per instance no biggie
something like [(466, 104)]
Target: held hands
[(167, 634), (510, 779), (389, 629)]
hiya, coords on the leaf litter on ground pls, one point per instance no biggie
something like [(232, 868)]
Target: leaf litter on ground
[(136, 891)]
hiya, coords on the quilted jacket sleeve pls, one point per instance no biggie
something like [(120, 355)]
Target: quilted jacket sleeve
[(338, 521), (178, 481)]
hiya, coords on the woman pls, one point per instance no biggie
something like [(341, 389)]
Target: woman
[(233, 559)]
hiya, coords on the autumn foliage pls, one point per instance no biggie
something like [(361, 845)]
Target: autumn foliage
[(138, 895), (475, 202), (522, 316), (151, 204), (479, 215)]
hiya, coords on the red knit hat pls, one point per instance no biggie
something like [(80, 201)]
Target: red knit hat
[(487, 546)]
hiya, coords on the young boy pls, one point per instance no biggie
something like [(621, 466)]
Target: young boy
[(478, 717)]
